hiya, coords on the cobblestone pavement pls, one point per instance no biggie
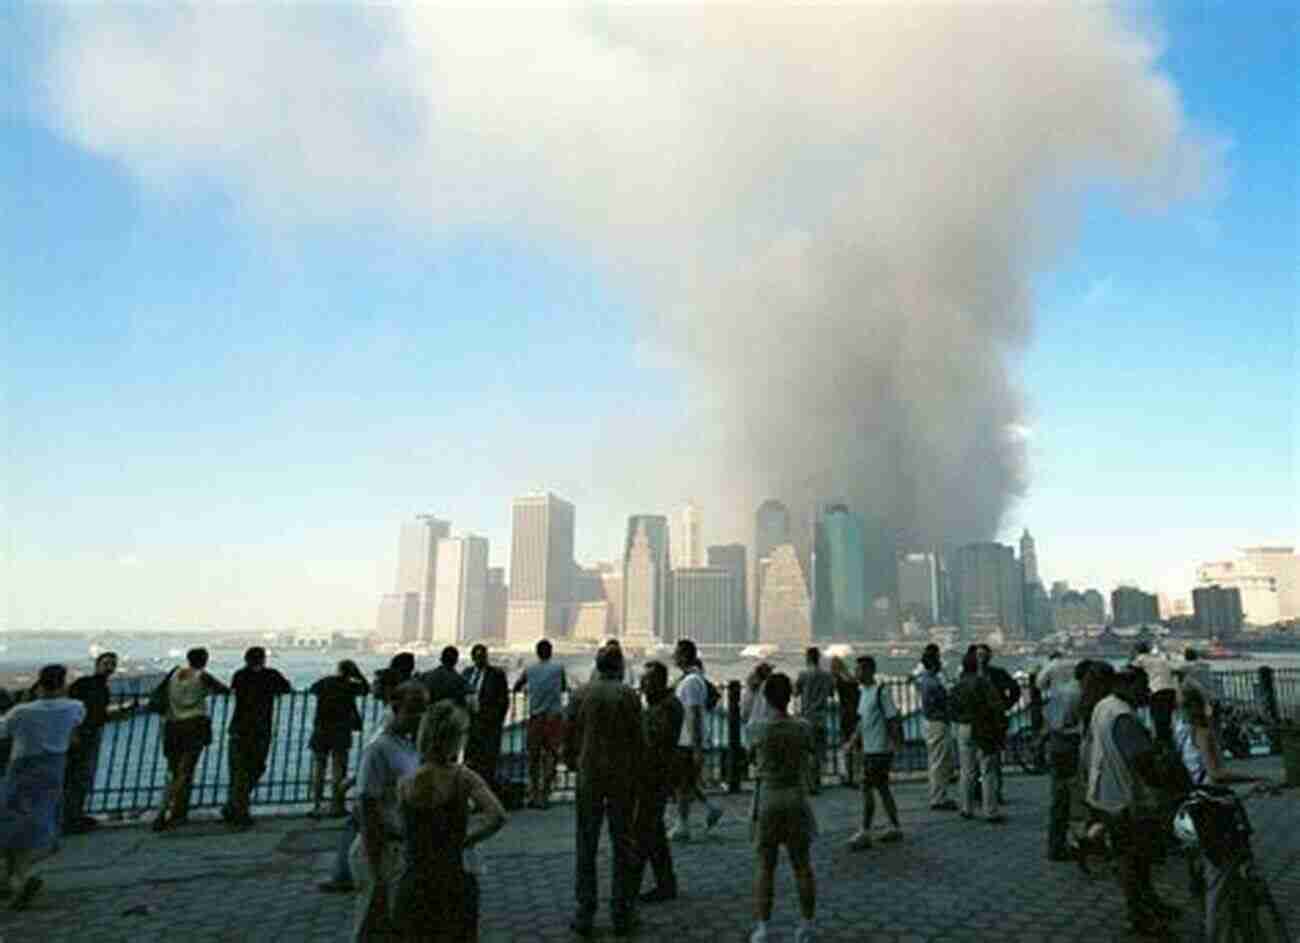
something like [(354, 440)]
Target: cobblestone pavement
[(949, 880)]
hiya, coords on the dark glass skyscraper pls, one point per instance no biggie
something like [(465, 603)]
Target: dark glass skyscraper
[(731, 557), (839, 577)]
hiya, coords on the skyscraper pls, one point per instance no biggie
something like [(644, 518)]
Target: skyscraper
[(417, 562), (1130, 606), (1029, 558), (496, 604), (687, 545), (771, 529), (1282, 564), (655, 527), (541, 568), (839, 578), (1263, 578), (641, 589), (918, 588), (989, 590), (731, 557), (399, 617), (703, 604), (460, 608), (785, 606), (1218, 609)]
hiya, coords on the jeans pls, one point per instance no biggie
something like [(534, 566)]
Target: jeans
[(652, 839), (1134, 838), (990, 772), (597, 799), (248, 754), (342, 863), (1063, 758), (80, 776)]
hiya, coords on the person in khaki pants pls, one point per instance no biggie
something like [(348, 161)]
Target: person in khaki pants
[(938, 737)]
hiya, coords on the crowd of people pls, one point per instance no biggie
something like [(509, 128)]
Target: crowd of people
[(428, 790)]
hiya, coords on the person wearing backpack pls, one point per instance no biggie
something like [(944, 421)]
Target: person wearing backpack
[(879, 736), (693, 690)]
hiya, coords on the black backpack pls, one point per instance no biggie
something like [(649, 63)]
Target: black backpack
[(714, 696)]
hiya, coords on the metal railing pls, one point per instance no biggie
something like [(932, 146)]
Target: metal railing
[(132, 773)]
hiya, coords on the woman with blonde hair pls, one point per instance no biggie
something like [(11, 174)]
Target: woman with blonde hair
[(437, 899)]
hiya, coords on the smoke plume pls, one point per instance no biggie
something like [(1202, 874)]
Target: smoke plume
[(834, 213)]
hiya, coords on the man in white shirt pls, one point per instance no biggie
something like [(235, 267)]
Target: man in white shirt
[(42, 732), (376, 855), (1160, 682), (876, 709), (693, 692)]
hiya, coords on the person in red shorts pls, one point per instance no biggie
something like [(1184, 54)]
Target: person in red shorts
[(546, 684)]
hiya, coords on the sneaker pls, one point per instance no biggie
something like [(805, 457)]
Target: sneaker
[(710, 820), (891, 835), (805, 934), (759, 935), (860, 841), (680, 833)]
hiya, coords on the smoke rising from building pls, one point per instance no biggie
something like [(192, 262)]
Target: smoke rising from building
[(835, 214)]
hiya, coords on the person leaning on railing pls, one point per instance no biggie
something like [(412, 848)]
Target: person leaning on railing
[(187, 731), (337, 718)]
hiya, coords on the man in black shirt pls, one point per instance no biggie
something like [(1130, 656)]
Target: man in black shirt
[(1009, 690), (337, 718), (443, 683), (83, 756), (662, 724), (255, 687)]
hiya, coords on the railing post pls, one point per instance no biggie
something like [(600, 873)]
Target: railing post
[(735, 749), (1268, 694)]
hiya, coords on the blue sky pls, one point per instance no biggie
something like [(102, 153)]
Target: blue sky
[(215, 417)]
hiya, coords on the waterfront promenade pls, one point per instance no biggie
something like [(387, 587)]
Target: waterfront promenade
[(949, 880)]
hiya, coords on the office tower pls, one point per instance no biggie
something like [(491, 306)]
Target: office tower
[(1283, 565), (642, 589), (655, 527), (1262, 578), (611, 578), (918, 588), (731, 557), (496, 603), (1028, 558), (1130, 606), (989, 590), (839, 576), (771, 529), (687, 542), (541, 568), (1218, 609), (417, 563), (1059, 589), (591, 613), (399, 617), (461, 597), (785, 606), (703, 607), (1096, 604), (1071, 611)]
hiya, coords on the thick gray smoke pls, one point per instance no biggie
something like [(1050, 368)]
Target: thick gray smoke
[(834, 213)]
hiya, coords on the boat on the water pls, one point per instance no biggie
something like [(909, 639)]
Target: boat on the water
[(759, 651)]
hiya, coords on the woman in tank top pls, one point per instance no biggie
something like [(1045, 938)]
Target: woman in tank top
[(437, 899)]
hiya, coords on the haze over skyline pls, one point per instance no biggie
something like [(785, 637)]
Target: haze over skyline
[(282, 278)]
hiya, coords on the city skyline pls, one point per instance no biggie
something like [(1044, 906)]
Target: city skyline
[(276, 286)]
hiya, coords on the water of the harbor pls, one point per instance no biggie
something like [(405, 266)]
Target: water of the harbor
[(147, 655)]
